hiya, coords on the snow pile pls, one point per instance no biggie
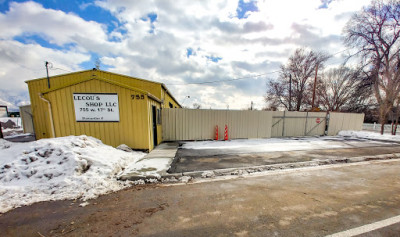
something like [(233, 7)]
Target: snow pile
[(370, 135), (59, 168)]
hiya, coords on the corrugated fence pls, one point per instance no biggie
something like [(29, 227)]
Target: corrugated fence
[(199, 124), (292, 124), (344, 121)]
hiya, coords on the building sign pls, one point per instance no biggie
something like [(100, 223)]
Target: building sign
[(92, 107)]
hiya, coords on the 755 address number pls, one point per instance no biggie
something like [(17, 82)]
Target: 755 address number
[(137, 97)]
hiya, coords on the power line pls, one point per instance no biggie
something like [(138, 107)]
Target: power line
[(57, 68), (21, 65), (235, 79), (338, 52), (241, 78), (35, 70)]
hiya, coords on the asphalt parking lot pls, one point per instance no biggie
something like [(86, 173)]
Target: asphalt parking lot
[(286, 150)]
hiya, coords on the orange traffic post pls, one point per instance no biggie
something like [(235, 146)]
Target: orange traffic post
[(216, 132), (226, 133)]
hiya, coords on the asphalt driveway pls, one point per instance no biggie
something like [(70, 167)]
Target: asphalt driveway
[(211, 155)]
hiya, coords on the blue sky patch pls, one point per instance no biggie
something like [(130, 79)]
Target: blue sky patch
[(325, 3), (87, 10), (213, 58), (245, 7), (189, 52), (42, 41), (152, 16), (92, 63)]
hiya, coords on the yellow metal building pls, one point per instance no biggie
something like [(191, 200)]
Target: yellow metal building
[(114, 108)]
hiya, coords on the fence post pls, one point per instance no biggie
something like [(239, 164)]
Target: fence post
[(283, 124), (305, 127), (328, 115)]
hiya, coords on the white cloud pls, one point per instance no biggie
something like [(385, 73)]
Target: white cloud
[(157, 50), (20, 62), (56, 26)]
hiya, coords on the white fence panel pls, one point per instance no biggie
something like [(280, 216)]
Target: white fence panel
[(200, 124)]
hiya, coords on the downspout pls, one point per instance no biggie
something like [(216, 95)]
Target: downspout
[(50, 114)]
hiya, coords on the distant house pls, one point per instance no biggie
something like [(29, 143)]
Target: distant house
[(114, 108), (3, 111)]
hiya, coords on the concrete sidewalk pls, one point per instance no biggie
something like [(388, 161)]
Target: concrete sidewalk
[(163, 154)]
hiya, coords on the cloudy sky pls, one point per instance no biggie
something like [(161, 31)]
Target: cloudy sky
[(236, 45)]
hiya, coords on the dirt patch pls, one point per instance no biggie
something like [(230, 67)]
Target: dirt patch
[(121, 213)]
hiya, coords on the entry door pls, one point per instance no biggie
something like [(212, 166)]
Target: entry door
[(154, 111)]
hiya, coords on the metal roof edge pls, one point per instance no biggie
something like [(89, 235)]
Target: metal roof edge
[(169, 93), (106, 81)]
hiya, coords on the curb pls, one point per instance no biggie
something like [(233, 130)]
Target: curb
[(281, 166), (167, 177)]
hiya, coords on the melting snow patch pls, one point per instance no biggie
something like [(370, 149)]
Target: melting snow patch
[(370, 135), (185, 179), (208, 174), (148, 167), (60, 168), (84, 204), (265, 145)]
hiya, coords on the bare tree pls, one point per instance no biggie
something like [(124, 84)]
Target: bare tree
[(374, 32), (341, 89), (196, 106), (289, 90)]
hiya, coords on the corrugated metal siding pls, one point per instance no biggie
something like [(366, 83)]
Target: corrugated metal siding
[(168, 99), (344, 121), (39, 110), (292, 123), (189, 124), (198, 124), (41, 114), (314, 128), (277, 124), (132, 129)]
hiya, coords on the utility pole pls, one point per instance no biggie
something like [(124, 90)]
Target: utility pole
[(251, 106), (290, 92), (47, 71), (315, 84), (183, 103)]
